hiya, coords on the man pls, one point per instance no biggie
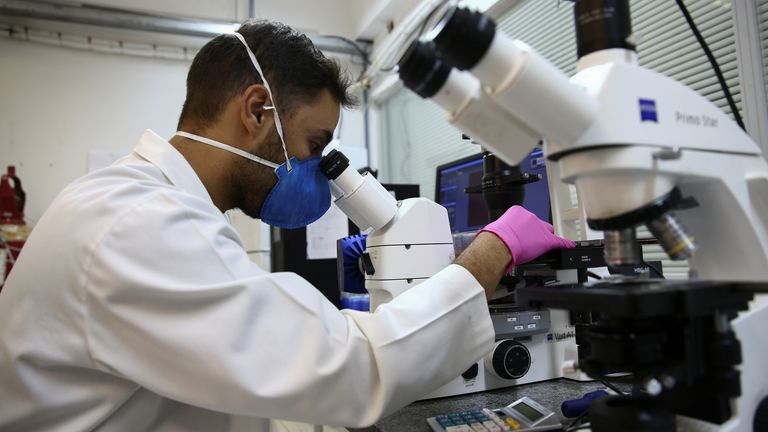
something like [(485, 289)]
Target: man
[(134, 306)]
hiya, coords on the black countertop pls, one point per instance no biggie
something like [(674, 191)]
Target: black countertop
[(550, 394)]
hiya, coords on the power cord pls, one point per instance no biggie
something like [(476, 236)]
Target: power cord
[(578, 423), (612, 387), (594, 275), (713, 62)]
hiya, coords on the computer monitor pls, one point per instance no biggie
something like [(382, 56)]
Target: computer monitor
[(468, 212)]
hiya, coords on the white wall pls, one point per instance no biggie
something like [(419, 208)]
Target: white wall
[(352, 124), (318, 16), (58, 103), (370, 18), (330, 17), (224, 10)]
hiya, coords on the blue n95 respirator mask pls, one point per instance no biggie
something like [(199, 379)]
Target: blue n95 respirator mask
[(301, 194)]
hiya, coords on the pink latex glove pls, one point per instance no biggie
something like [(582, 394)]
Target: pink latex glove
[(525, 235)]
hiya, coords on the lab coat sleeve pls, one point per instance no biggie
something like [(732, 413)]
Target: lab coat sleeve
[(174, 305)]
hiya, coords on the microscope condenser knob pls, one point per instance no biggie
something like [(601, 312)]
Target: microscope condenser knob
[(509, 360), (472, 372), (367, 264)]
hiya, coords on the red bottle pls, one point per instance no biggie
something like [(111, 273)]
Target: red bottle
[(13, 229)]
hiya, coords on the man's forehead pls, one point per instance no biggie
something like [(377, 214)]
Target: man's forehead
[(321, 113)]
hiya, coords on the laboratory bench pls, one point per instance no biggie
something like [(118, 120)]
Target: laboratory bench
[(550, 394)]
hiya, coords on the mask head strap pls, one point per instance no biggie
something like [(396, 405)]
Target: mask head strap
[(228, 148), (278, 124)]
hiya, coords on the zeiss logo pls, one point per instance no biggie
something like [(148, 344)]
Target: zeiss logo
[(648, 111)]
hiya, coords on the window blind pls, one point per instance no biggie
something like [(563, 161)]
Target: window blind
[(762, 19), (665, 43)]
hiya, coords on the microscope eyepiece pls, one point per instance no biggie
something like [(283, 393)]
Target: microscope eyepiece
[(333, 164), (464, 36), (422, 70)]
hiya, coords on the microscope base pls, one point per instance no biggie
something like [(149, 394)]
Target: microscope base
[(677, 333)]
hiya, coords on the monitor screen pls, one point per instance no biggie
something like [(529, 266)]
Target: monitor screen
[(468, 212)]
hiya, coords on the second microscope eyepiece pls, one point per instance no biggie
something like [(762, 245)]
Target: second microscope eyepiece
[(422, 70), (464, 36), (333, 164)]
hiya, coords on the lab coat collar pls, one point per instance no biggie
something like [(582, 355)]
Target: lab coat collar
[(174, 166)]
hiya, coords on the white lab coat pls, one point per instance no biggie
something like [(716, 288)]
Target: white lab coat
[(134, 307)]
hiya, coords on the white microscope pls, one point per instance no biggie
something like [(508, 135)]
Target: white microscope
[(409, 241), (641, 149)]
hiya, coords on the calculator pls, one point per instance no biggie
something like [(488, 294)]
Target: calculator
[(523, 415)]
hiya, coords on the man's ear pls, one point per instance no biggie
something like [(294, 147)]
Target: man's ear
[(252, 112)]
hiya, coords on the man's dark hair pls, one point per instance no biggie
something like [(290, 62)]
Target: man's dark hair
[(297, 71)]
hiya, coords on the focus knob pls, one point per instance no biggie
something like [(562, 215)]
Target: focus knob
[(471, 373), (509, 360)]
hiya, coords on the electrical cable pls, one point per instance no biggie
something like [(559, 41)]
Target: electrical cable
[(351, 43), (577, 421), (429, 17), (612, 387), (713, 62), (358, 48), (419, 31), (392, 51)]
